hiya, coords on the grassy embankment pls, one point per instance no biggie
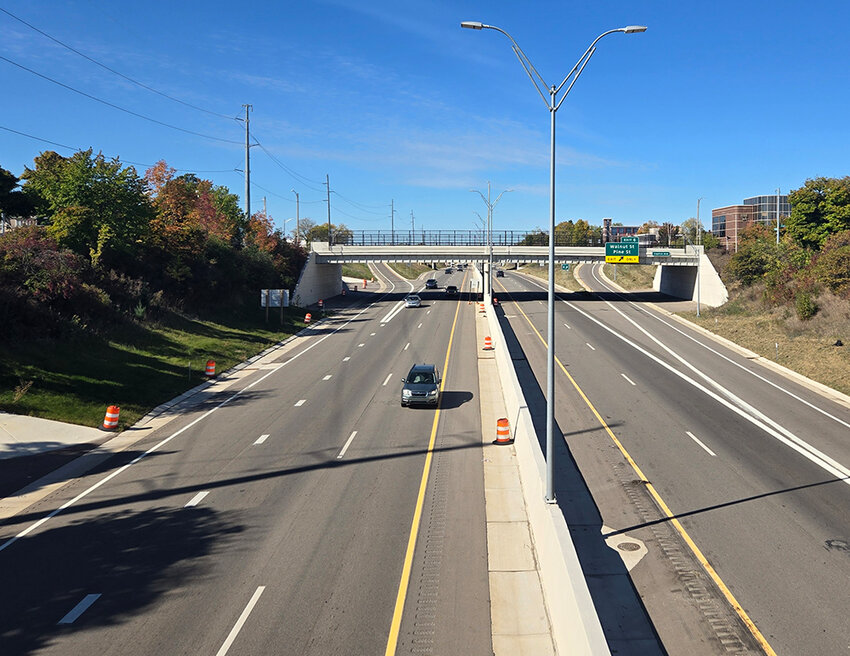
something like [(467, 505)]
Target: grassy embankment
[(360, 270), (136, 366), (807, 347), (409, 271)]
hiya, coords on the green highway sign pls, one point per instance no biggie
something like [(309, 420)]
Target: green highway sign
[(628, 240), (622, 252), (660, 253), (565, 266)]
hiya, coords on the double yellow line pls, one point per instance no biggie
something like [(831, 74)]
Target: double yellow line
[(665, 509)]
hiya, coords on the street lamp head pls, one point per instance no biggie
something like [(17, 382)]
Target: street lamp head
[(632, 29), (472, 25)]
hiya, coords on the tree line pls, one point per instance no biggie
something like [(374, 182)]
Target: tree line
[(112, 245)]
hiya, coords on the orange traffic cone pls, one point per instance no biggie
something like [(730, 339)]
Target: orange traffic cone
[(488, 343), (503, 432), (209, 372), (110, 421)]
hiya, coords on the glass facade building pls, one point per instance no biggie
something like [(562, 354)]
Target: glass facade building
[(764, 208), (727, 222)]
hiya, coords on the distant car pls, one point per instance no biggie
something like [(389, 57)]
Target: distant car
[(451, 290), (412, 301), (449, 270), (500, 273), (421, 385), (431, 283)]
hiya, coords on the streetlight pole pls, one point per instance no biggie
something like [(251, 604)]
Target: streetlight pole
[(699, 225), (552, 104), (297, 222), (489, 228)]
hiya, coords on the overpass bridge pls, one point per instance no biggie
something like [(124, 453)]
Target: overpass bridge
[(681, 271)]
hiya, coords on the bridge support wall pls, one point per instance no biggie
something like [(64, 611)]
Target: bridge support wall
[(317, 281), (681, 281)]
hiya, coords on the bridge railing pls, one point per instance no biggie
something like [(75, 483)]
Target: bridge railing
[(460, 238)]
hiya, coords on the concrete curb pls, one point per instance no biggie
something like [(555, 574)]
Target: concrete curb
[(576, 629)]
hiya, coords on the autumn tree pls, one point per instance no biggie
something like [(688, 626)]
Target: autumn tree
[(94, 206), (13, 201), (820, 208)]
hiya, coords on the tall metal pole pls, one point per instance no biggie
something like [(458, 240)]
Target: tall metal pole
[(297, 222), (247, 163), (550, 337), (392, 221), (777, 216), (328, 185), (699, 225)]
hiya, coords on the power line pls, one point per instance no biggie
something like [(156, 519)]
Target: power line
[(125, 161), (361, 206), (114, 106), (112, 70), (24, 134), (293, 174)]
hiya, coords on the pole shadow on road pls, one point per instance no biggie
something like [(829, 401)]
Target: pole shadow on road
[(620, 609)]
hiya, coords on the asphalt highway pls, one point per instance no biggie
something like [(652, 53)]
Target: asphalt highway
[(734, 477), (288, 516)]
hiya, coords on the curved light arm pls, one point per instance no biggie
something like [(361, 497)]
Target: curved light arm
[(523, 58)]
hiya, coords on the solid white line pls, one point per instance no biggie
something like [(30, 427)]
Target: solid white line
[(165, 441), (347, 444), (328, 377), (591, 347), (262, 438), (300, 402), (696, 439), (79, 609), (387, 380), (627, 378), (346, 358), (242, 619), (406, 346), (195, 500)]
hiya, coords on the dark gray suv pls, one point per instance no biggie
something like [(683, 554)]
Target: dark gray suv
[(421, 386)]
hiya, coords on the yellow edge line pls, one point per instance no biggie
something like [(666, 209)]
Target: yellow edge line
[(395, 626), (664, 508)]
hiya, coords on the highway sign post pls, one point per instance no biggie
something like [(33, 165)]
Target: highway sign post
[(622, 252)]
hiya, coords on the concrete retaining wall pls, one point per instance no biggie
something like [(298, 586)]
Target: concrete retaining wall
[(681, 281), (576, 629), (317, 281)]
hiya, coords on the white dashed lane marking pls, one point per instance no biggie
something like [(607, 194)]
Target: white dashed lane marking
[(261, 439), (79, 609), (301, 402), (195, 500)]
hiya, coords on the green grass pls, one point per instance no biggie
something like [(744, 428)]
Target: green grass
[(136, 367), (631, 276), (357, 271), (563, 278), (409, 271)]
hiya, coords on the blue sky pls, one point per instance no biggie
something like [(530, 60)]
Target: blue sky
[(394, 101)]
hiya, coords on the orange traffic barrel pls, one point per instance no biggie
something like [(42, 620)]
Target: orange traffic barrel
[(488, 343), (307, 317), (364, 283), (209, 371), (110, 421), (481, 307), (503, 432)]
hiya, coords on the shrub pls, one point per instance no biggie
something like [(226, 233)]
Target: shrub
[(805, 306)]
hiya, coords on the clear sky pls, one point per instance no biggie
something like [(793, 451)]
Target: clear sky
[(394, 101)]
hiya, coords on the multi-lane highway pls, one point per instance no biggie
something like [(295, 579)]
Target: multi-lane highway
[(302, 512), (734, 477)]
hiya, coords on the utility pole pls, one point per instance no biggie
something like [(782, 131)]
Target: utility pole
[(392, 221), (265, 214), (328, 185), (412, 225), (247, 163), (777, 216)]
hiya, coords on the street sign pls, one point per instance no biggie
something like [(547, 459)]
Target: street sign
[(660, 253), (565, 266), (622, 253), (628, 240)]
